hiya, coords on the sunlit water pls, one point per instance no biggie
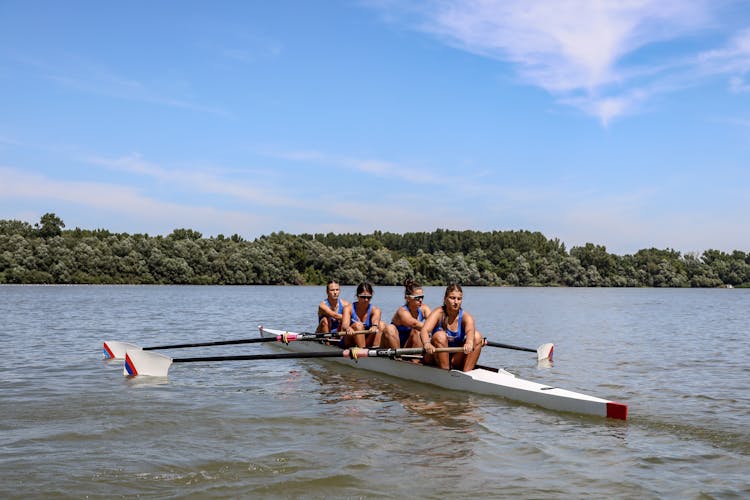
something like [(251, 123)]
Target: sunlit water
[(72, 426)]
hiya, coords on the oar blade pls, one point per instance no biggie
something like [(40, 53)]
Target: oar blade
[(145, 363), (545, 351), (114, 349)]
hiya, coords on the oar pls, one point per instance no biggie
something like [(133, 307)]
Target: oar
[(140, 362), (544, 351), (114, 349)]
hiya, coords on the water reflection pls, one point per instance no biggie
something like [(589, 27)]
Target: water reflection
[(544, 364), (439, 426), (445, 408), (145, 382)]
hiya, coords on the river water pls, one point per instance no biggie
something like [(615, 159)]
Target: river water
[(72, 426)]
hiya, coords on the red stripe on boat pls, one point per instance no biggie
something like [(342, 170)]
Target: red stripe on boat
[(108, 351), (617, 410), (130, 367)]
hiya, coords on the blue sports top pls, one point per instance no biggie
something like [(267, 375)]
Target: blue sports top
[(334, 322), (455, 339), (355, 319), (403, 329)]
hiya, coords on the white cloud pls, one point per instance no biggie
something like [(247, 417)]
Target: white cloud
[(377, 167), (112, 86), (92, 78), (198, 181), (252, 49), (734, 59), (738, 85), (581, 51), (150, 214), (7, 141), (136, 212)]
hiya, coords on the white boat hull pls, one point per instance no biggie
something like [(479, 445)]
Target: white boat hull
[(480, 380)]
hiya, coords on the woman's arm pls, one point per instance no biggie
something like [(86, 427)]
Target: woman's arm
[(406, 319), (430, 323), (375, 317), (468, 324), (325, 310), (426, 311), (346, 319)]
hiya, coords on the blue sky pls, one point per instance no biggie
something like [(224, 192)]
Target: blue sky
[(623, 123)]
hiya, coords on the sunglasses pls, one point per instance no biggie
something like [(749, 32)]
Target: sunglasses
[(365, 297), (416, 297)]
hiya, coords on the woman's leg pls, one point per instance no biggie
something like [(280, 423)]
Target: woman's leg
[(441, 359)]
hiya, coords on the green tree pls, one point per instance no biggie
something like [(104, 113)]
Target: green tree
[(49, 225)]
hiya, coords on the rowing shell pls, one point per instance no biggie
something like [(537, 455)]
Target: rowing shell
[(481, 380)]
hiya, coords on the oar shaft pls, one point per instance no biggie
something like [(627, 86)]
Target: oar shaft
[(140, 362), (207, 344), (278, 338), (508, 346), (354, 353), (254, 357)]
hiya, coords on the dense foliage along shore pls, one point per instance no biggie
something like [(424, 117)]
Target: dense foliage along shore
[(47, 253)]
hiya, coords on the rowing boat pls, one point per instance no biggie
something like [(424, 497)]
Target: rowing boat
[(481, 380)]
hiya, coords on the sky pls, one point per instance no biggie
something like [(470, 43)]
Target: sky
[(620, 123)]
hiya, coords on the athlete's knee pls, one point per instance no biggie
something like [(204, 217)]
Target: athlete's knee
[(439, 338)]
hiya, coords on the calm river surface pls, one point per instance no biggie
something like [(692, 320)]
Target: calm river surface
[(72, 426)]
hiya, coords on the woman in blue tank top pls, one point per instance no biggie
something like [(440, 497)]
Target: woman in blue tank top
[(451, 326), (331, 310), (359, 316), (405, 327)]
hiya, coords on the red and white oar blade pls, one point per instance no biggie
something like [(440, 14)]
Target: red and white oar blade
[(116, 350), (152, 364), (544, 351)]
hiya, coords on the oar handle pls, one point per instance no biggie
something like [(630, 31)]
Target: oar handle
[(338, 334)]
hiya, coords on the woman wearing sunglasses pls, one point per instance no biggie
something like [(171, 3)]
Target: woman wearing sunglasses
[(331, 310), (407, 322), (451, 326), (362, 315)]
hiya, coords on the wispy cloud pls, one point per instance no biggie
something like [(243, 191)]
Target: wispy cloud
[(151, 214), (251, 49), (198, 181), (7, 141), (733, 58), (89, 77), (136, 211), (581, 51), (373, 166), (112, 86), (738, 85)]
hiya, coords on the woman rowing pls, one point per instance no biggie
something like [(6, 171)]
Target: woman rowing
[(407, 322), (331, 310), (360, 316), (451, 326)]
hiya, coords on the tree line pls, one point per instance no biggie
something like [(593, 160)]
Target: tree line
[(48, 253)]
